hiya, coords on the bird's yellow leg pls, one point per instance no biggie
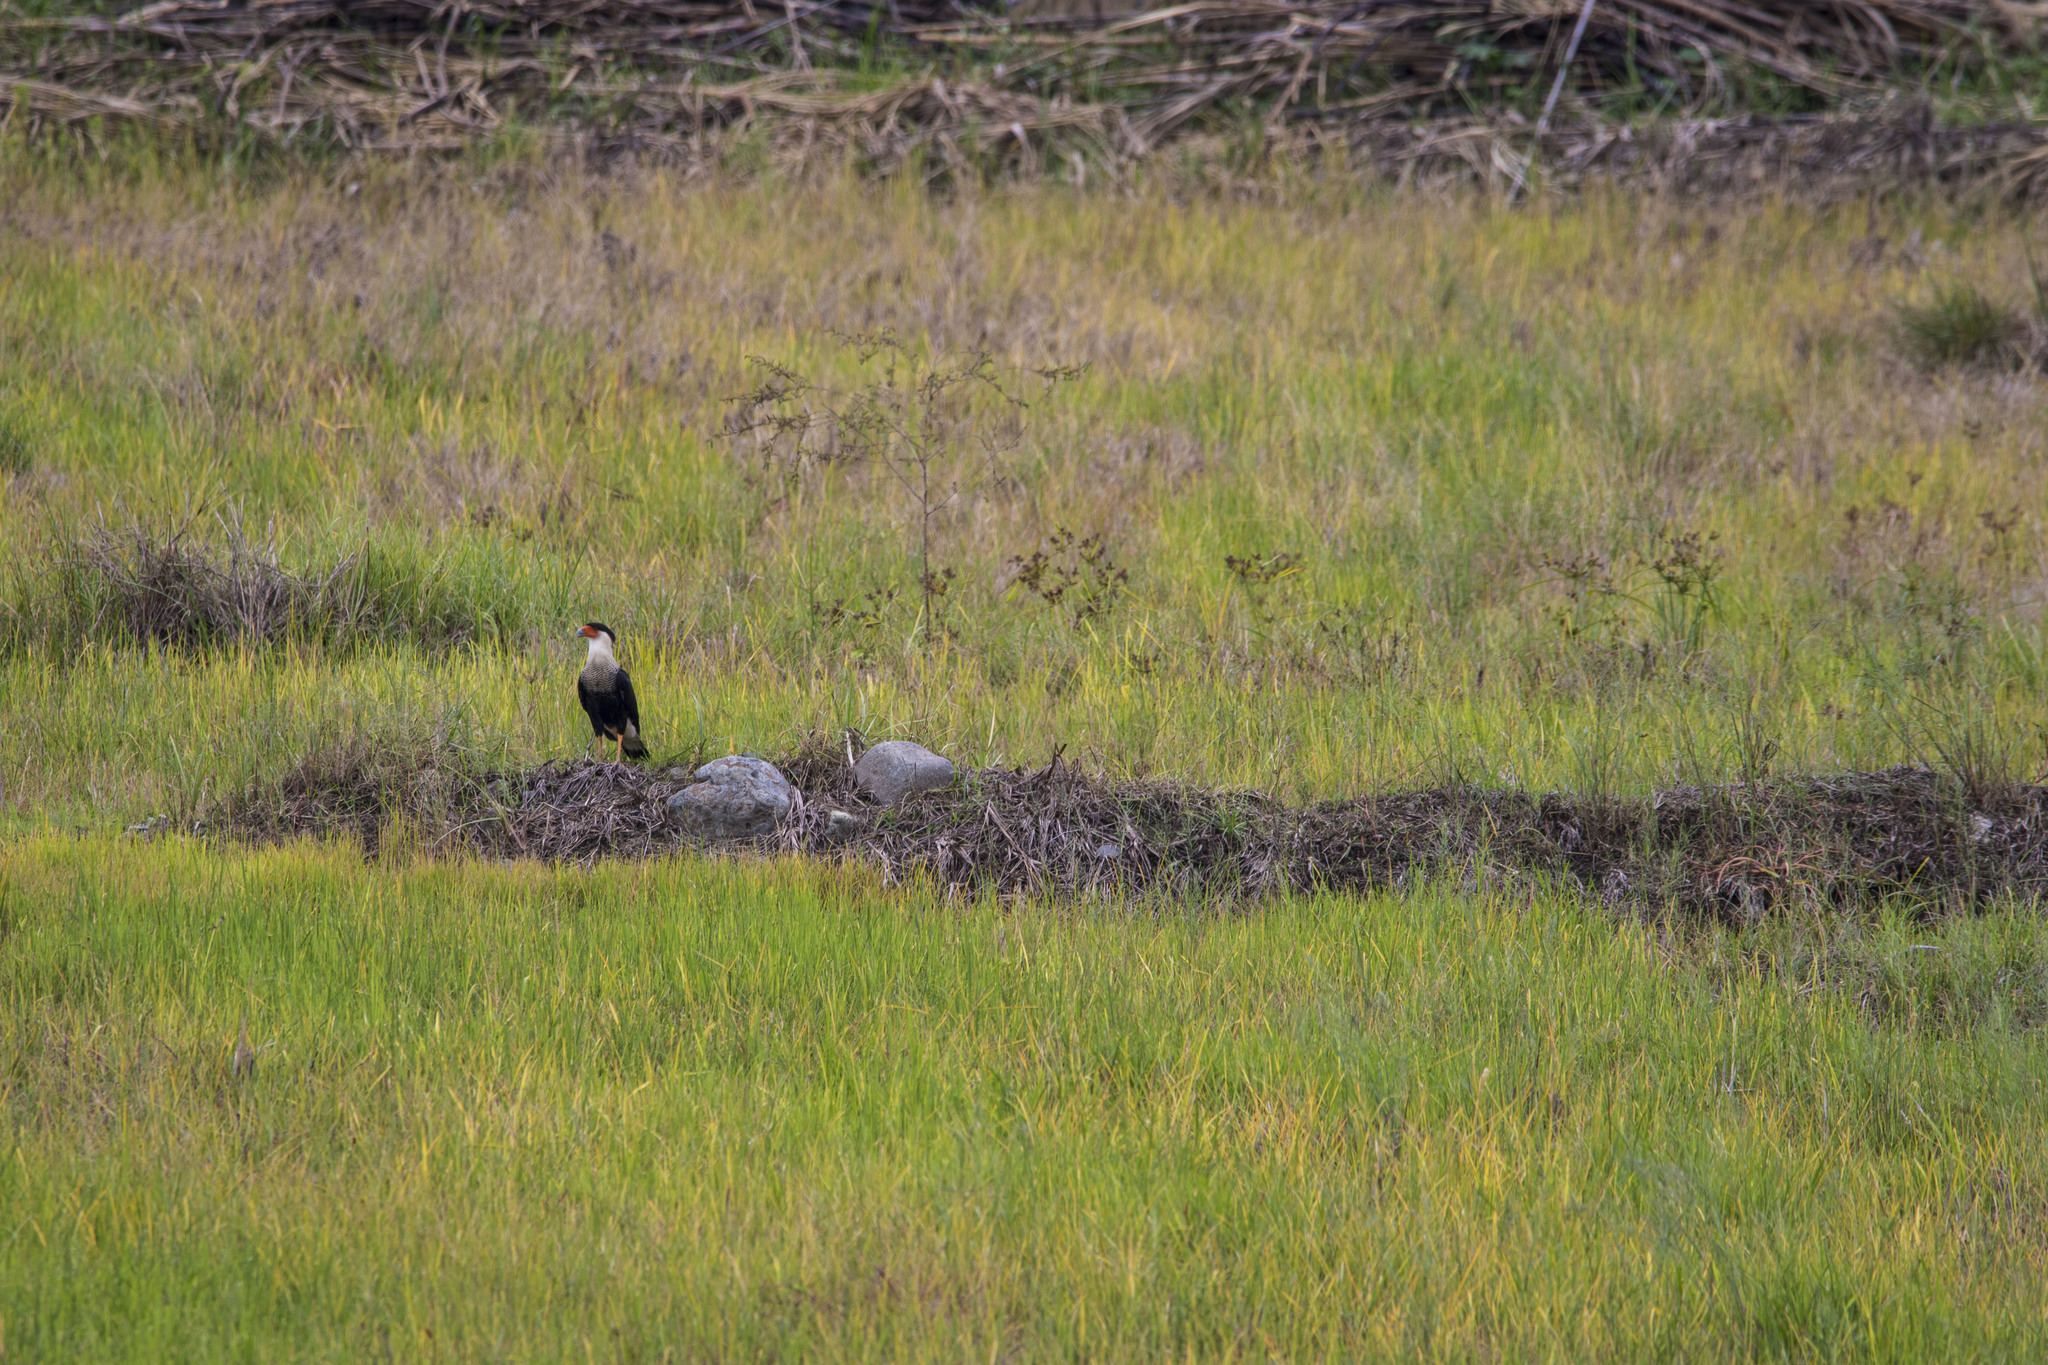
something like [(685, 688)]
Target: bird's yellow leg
[(619, 753)]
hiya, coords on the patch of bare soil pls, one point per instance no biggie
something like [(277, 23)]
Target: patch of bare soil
[(1734, 853)]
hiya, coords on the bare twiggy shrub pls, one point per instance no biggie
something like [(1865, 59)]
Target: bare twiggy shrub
[(938, 426)]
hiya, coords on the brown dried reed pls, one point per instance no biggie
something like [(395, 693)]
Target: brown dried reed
[(972, 85)]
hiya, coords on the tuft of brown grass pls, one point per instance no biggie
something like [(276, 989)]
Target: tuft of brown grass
[(160, 586)]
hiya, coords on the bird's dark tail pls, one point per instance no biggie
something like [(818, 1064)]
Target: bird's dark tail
[(634, 747)]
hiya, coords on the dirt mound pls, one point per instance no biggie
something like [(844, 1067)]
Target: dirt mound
[(1736, 852)]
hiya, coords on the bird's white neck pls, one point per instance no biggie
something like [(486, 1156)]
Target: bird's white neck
[(601, 648)]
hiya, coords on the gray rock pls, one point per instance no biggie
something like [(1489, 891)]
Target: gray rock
[(841, 825), (896, 767), (734, 798)]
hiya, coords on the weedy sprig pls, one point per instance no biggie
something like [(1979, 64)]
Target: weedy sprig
[(1078, 577), (1258, 574), (1689, 566)]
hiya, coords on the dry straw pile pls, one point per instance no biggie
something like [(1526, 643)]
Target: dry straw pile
[(1735, 853), (951, 84)]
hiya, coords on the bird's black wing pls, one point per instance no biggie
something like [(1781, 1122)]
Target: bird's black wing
[(628, 703), (593, 706)]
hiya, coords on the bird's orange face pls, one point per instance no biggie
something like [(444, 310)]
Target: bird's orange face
[(587, 632)]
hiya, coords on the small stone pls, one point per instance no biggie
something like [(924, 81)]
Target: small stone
[(841, 825), (896, 767), (734, 798)]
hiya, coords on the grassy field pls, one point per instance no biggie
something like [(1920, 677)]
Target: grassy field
[(697, 1111), (496, 397), (1379, 490)]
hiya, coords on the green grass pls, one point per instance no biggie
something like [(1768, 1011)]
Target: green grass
[(1606, 495), (732, 1110)]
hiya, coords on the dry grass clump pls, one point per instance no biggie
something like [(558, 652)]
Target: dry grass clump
[(169, 584), (161, 585), (354, 786), (1963, 326), (1737, 853)]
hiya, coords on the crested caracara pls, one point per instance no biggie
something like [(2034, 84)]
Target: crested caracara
[(607, 695)]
